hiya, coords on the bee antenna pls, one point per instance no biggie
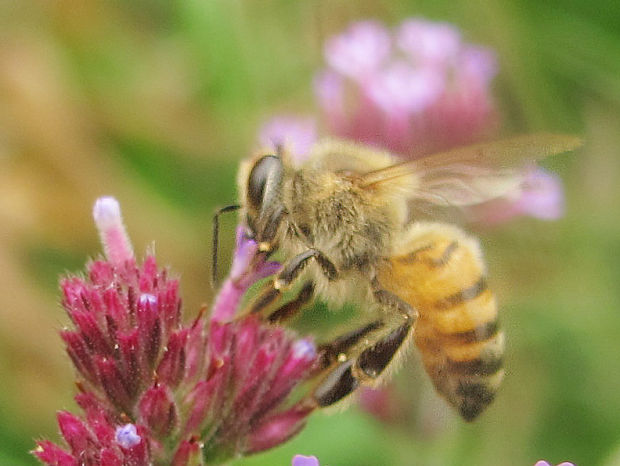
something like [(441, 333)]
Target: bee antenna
[(216, 242)]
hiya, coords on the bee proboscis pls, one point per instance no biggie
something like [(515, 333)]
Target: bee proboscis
[(342, 217)]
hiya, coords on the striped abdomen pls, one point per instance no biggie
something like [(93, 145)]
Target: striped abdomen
[(439, 271)]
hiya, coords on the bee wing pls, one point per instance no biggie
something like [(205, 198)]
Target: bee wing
[(477, 173)]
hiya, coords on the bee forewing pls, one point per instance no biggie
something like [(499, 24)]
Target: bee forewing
[(476, 173), (464, 190)]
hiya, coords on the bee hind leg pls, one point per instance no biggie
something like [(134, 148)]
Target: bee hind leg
[(365, 368), (371, 363), (344, 378), (337, 349)]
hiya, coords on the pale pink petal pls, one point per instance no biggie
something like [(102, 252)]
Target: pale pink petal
[(429, 43), (543, 196), (295, 134), (402, 90), (360, 50), (476, 66)]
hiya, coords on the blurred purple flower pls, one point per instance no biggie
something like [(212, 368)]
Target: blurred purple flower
[(544, 463), (157, 391), (414, 90), (421, 88), (360, 51), (300, 460), (436, 44), (294, 134), (542, 197), (382, 402)]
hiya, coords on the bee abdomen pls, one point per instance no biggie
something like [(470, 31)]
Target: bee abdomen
[(474, 372), (441, 274), (473, 396), (479, 366), (462, 348)]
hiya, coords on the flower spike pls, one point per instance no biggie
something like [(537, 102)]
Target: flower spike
[(157, 391)]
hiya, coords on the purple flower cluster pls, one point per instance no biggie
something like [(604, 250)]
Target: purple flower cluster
[(414, 90), (157, 391)]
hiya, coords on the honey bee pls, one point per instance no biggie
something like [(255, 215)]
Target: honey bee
[(343, 218)]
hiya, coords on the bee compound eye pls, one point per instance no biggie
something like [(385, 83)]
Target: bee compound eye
[(265, 175)]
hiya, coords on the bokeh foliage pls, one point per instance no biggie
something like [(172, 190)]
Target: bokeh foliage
[(156, 101)]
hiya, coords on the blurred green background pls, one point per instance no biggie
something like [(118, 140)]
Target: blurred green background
[(156, 101)]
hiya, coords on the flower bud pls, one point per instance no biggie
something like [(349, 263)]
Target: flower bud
[(158, 411), (277, 429)]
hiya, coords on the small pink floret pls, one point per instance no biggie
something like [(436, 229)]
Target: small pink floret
[(360, 50), (50, 453), (301, 460), (429, 43), (304, 349), (277, 430), (127, 436)]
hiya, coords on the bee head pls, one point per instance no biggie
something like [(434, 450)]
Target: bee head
[(263, 200)]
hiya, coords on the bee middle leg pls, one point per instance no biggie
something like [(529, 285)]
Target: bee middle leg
[(291, 309), (343, 374), (272, 292)]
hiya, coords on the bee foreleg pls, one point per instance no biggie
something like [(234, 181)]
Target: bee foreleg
[(268, 296)]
